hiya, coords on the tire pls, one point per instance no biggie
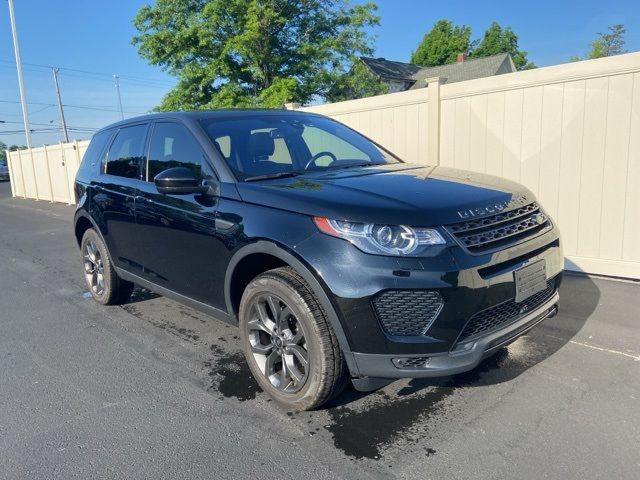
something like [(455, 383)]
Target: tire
[(302, 326), (111, 289)]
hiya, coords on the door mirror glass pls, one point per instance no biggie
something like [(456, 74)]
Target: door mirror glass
[(178, 181)]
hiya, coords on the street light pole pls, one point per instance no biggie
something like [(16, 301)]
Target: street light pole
[(16, 49), (117, 80), (54, 70)]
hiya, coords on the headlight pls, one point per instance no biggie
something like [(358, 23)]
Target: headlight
[(380, 239)]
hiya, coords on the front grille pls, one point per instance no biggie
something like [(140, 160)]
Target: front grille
[(503, 229), (407, 312), (504, 313)]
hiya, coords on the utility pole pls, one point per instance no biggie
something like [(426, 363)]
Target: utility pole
[(116, 78), (54, 70), (16, 49)]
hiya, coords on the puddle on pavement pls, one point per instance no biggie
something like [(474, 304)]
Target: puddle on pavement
[(231, 376), (365, 432), (365, 426), (401, 418)]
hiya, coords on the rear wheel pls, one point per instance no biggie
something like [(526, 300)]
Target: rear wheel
[(289, 344), (103, 283)]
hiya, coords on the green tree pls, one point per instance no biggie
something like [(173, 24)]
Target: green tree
[(234, 53), (442, 44), (3, 153), (606, 44), (496, 40), (359, 82)]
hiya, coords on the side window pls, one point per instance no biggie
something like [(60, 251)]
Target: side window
[(126, 152), (96, 148), (172, 145)]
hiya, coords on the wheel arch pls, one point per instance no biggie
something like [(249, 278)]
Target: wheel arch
[(278, 257), (82, 222)]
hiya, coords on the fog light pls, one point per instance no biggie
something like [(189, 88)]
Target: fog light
[(412, 362)]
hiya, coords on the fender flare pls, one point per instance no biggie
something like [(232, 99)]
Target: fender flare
[(270, 248), (84, 214)]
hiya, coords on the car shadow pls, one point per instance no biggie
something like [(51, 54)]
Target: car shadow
[(141, 295)]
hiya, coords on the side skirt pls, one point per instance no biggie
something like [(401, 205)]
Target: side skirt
[(165, 292)]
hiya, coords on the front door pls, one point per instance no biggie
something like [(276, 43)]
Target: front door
[(181, 250)]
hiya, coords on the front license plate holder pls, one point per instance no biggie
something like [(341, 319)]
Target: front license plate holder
[(530, 280)]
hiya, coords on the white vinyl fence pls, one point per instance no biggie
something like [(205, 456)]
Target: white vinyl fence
[(46, 173), (570, 133)]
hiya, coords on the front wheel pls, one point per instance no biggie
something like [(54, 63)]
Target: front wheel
[(288, 342)]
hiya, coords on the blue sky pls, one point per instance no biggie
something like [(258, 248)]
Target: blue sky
[(94, 36)]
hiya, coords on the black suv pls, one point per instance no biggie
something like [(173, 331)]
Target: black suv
[(336, 259)]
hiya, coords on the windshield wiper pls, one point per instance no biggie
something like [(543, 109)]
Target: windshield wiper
[(354, 164), (270, 176)]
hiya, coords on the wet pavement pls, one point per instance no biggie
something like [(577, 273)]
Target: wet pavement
[(154, 389)]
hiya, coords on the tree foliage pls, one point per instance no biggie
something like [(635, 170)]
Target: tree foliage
[(606, 44), (359, 82), (442, 44), (230, 53), (3, 153), (497, 39)]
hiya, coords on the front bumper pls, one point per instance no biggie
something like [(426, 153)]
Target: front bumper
[(464, 357), (468, 284)]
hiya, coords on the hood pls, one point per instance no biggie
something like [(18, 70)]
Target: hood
[(391, 194)]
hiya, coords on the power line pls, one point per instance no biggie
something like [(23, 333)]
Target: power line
[(124, 77), (86, 107)]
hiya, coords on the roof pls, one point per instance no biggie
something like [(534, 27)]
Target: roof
[(389, 69), (209, 114), (466, 70), (454, 72)]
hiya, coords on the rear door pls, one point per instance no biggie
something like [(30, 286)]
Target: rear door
[(115, 193), (181, 249)]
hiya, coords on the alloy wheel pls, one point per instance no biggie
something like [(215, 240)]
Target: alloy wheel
[(93, 268), (278, 344)]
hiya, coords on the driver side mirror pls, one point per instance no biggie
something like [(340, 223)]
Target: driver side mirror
[(178, 181)]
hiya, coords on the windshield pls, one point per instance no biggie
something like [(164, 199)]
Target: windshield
[(276, 145)]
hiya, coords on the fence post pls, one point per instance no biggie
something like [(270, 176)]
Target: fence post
[(24, 185), (12, 177), (66, 173), (433, 148), (33, 170), (46, 159)]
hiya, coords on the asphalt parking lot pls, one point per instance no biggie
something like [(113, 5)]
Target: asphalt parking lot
[(154, 389)]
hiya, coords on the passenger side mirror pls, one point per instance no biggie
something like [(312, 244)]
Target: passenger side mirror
[(178, 181)]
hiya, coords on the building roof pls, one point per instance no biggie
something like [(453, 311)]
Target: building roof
[(455, 72), (466, 70), (388, 69)]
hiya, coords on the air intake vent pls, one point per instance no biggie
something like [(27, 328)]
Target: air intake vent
[(407, 312), (504, 229), (503, 314)]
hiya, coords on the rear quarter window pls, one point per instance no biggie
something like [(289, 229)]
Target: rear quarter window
[(92, 158)]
